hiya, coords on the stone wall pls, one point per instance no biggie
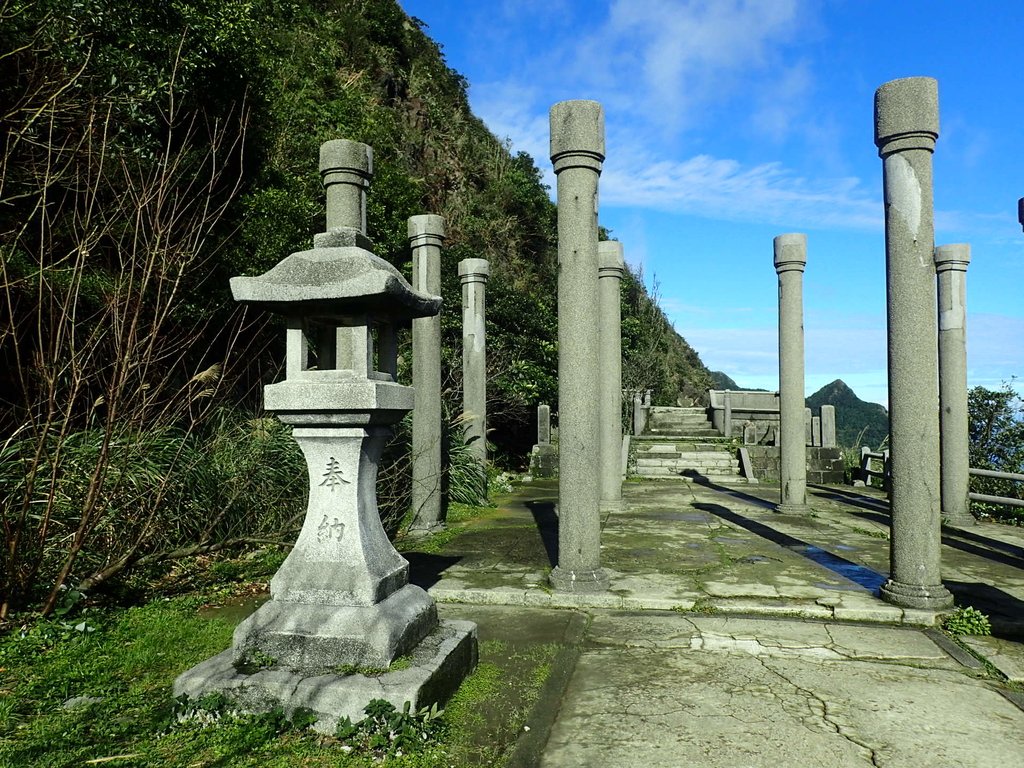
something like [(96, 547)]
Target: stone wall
[(824, 465)]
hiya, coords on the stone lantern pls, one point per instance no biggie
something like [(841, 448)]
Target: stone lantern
[(341, 601)]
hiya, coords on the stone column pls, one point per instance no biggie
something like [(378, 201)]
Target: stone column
[(577, 154), (790, 260), (1020, 212), (828, 426), (610, 269), (951, 263), (426, 235), (906, 127), (473, 274)]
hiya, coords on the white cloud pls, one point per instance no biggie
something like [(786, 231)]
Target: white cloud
[(676, 56), (720, 188)]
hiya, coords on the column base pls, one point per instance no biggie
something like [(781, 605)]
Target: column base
[(588, 581), (927, 597), (792, 509)]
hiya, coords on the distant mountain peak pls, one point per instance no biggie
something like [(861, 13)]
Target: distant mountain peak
[(858, 422)]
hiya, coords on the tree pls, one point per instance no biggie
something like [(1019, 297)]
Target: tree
[(996, 431)]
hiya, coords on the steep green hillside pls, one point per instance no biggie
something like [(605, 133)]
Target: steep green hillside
[(857, 423), (150, 152), (723, 381)]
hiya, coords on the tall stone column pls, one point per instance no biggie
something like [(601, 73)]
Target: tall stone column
[(790, 260), (609, 276), (426, 235), (577, 154), (906, 127), (951, 264), (473, 275)]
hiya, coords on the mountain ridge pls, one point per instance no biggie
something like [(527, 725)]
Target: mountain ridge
[(857, 422)]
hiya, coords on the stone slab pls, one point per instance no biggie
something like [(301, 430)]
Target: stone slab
[(320, 637), (437, 667)]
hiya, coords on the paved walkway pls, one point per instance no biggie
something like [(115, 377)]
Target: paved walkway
[(735, 636)]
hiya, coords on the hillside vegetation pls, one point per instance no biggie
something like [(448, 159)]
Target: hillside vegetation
[(153, 150), (858, 423)]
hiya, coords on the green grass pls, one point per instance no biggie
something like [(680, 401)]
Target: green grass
[(129, 659)]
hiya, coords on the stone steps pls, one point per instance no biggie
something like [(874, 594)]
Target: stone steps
[(681, 443), (675, 433)]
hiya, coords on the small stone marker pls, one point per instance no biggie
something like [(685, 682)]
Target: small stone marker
[(816, 431), (544, 456), (639, 414), (543, 424), (828, 426), (951, 264), (906, 128), (342, 597)]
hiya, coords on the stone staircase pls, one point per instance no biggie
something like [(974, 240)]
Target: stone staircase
[(680, 442)]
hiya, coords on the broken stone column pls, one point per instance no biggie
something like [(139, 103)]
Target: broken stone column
[(951, 264), (906, 127), (790, 260), (341, 601), (611, 267), (828, 426), (426, 235), (577, 154), (473, 274)]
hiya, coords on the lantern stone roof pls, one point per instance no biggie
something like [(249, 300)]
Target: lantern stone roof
[(335, 282)]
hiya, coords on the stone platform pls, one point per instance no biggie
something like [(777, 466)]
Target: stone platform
[(434, 671)]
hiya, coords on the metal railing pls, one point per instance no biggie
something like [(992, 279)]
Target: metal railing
[(1008, 501), (867, 456)]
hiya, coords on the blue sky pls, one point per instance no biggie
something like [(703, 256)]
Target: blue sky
[(730, 122)]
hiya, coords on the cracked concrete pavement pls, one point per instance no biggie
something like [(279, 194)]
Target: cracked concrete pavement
[(671, 690), (735, 636)]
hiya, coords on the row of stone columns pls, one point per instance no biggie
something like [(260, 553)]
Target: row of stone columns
[(426, 236), (927, 360)]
